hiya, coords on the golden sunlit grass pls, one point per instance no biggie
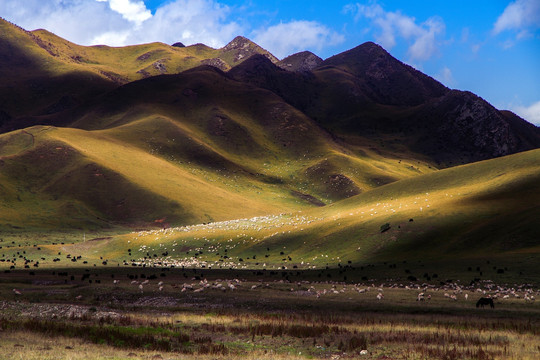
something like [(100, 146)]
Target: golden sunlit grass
[(130, 63), (442, 204), (486, 200)]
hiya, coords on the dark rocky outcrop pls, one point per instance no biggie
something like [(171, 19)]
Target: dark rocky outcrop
[(301, 62), (383, 78), (365, 92), (216, 62), (463, 127)]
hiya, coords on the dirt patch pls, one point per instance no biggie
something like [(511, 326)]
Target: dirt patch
[(341, 186), (148, 55), (156, 301), (101, 238)]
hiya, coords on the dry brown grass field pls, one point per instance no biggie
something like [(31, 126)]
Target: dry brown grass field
[(175, 314)]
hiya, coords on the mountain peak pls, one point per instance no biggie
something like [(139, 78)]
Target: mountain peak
[(363, 56), (391, 81), (370, 45), (301, 62), (239, 43), (242, 48)]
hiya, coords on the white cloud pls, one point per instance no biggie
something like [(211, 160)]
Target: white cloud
[(79, 21), (445, 76), (134, 11), (287, 38), (423, 37), (112, 38), (530, 113), (425, 44), (507, 44), (189, 21), (519, 15), (126, 22)]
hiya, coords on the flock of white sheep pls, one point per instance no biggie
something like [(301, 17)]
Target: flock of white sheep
[(318, 289)]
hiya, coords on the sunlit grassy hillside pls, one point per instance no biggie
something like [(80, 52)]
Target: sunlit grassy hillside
[(448, 220), (191, 147), (157, 171), (129, 63)]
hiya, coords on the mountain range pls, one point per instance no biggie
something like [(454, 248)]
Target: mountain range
[(156, 135)]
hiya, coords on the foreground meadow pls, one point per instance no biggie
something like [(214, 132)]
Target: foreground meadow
[(190, 314)]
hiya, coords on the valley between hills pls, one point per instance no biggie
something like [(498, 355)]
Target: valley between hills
[(279, 179)]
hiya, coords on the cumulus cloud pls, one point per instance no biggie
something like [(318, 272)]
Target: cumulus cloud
[(422, 38), (520, 15), (134, 11), (287, 38), (189, 21), (126, 22), (530, 113)]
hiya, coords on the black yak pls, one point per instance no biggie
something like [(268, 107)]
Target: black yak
[(485, 301)]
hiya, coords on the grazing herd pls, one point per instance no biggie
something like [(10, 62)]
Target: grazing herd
[(487, 291)]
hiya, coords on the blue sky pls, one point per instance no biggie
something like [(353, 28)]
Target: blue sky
[(489, 47)]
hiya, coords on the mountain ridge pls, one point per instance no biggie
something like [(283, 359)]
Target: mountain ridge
[(363, 92), (236, 121)]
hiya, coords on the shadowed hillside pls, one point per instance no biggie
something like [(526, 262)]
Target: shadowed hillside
[(55, 74), (212, 158), (365, 94)]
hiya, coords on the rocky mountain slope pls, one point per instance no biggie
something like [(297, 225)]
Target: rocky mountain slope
[(365, 93), (300, 62)]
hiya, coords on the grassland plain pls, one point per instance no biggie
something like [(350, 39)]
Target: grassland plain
[(282, 286), (433, 218), (159, 313)]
